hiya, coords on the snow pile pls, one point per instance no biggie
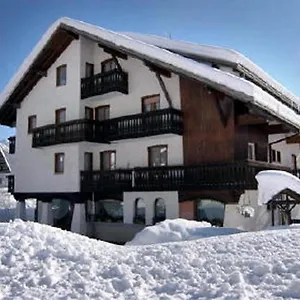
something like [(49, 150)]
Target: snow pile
[(178, 230), (272, 182), (42, 262), (8, 207)]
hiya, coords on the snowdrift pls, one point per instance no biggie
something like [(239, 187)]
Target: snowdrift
[(42, 262), (178, 230)]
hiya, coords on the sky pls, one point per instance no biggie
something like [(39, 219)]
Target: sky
[(264, 30)]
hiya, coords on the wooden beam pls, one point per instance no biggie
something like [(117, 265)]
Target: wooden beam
[(117, 62), (247, 119), (278, 128), (293, 139), (164, 89), (113, 52), (156, 69)]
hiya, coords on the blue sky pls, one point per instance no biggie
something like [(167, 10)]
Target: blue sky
[(264, 30)]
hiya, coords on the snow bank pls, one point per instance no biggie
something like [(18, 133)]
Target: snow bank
[(178, 230), (272, 182), (42, 262)]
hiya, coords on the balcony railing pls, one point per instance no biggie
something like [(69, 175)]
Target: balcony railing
[(145, 124), (68, 132), (12, 144), (11, 183), (226, 176), (102, 83), (134, 126)]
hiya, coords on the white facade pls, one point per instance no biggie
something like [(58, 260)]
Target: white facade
[(35, 172)]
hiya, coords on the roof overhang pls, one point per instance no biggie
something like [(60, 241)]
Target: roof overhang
[(61, 34)]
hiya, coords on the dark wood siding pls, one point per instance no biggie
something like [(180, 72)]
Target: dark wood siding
[(206, 139)]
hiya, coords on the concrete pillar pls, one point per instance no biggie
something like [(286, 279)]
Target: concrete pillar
[(79, 219), (20, 210), (45, 213)]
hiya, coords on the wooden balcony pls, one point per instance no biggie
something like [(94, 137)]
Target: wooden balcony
[(12, 144), (226, 176), (102, 83), (68, 132), (11, 183), (145, 124), (128, 127)]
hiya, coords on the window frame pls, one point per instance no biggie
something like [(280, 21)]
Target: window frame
[(253, 151), (104, 107), (56, 163), (90, 110), (102, 153), (57, 112), (87, 66), (59, 81), (159, 147), (105, 62), (147, 98), (91, 163), (29, 125)]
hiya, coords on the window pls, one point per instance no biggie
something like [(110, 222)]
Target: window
[(158, 156), (89, 70), (107, 160), (60, 116), (109, 210), (139, 214), (251, 151), (61, 75), (211, 211), (159, 210), (31, 123), (88, 161), (150, 103), (275, 156), (89, 113), (59, 162), (278, 156), (294, 161), (102, 113), (108, 65)]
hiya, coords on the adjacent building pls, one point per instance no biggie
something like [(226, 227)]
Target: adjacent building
[(115, 131)]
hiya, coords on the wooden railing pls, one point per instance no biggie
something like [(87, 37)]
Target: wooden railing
[(12, 144), (11, 183), (102, 83), (226, 176), (68, 132), (133, 126), (145, 124)]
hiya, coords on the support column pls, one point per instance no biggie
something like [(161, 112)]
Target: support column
[(79, 224), (20, 210), (45, 213)]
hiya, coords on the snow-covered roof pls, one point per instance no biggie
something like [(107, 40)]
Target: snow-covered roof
[(230, 84), (214, 54)]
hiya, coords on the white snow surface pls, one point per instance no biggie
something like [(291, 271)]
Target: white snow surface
[(43, 262), (228, 83), (213, 53), (272, 182), (178, 230)]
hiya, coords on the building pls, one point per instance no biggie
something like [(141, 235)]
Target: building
[(124, 130)]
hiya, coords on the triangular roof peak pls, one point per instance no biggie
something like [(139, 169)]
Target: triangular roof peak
[(62, 32)]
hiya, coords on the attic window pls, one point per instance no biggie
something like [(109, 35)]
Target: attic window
[(61, 75), (108, 65)]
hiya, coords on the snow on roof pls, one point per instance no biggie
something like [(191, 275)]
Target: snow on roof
[(228, 83), (214, 53), (272, 182), (43, 262)]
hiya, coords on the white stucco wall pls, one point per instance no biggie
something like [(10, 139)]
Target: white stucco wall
[(286, 150), (34, 170), (142, 82), (171, 201)]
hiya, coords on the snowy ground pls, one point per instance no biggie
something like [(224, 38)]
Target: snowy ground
[(41, 262), (178, 230)]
